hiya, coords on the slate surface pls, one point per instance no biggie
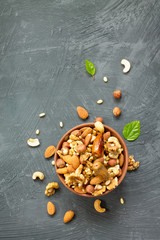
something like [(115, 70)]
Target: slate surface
[(43, 47)]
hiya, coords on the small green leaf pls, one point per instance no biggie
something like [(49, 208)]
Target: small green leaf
[(131, 130), (90, 68)]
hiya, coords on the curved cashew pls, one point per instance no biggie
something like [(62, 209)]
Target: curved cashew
[(39, 175), (126, 65), (97, 206), (33, 142)]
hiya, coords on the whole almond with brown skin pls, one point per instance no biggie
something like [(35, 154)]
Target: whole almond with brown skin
[(68, 216), (66, 144), (96, 180), (87, 139), (120, 172), (83, 114), (116, 111), (50, 151), (121, 160), (89, 189), (87, 131), (117, 94), (60, 163), (112, 162), (50, 208), (70, 169), (106, 136), (62, 170), (78, 190), (76, 133), (81, 148), (99, 119), (97, 146)]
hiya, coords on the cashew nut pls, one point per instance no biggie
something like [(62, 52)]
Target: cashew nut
[(33, 142), (39, 175), (126, 65), (97, 206)]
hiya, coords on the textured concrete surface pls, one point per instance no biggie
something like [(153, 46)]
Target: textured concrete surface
[(43, 47)]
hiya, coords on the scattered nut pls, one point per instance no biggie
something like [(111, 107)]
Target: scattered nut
[(99, 119), (105, 79), (37, 131), (116, 111), (68, 216), (83, 114), (100, 101), (61, 124), (39, 175), (132, 164), (117, 94), (121, 200), (50, 208), (53, 162), (50, 188), (126, 65), (50, 151), (97, 206), (33, 142), (42, 115)]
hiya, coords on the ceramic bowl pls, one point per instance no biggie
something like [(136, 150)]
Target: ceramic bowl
[(113, 133)]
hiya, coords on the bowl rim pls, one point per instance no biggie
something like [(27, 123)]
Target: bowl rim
[(114, 133)]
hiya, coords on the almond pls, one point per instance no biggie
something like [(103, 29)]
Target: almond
[(70, 169), (121, 160), (62, 170), (83, 114), (50, 151), (87, 139), (68, 216), (51, 208), (73, 160), (96, 180), (106, 136), (78, 190), (76, 133), (87, 131)]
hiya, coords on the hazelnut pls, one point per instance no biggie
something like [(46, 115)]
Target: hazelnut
[(65, 150), (66, 144), (99, 119), (89, 189), (116, 111), (60, 163), (81, 148), (117, 94), (112, 162), (106, 136)]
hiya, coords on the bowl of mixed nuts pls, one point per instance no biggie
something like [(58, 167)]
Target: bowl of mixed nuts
[(91, 159)]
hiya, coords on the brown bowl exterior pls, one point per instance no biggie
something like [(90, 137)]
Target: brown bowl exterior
[(113, 133)]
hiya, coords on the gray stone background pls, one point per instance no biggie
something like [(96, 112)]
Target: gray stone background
[(43, 47)]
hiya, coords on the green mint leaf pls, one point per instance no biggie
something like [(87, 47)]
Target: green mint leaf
[(90, 68), (131, 130)]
